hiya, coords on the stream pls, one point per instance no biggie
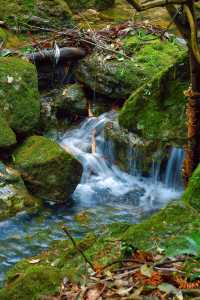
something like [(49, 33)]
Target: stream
[(105, 192)]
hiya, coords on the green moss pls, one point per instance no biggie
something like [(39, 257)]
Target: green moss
[(154, 107), (16, 13), (19, 98), (49, 171), (119, 77), (166, 229), (7, 136), (192, 193), (78, 5), (36, 282)]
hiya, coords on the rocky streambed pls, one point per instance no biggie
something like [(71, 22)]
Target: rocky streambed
[(69, 158)]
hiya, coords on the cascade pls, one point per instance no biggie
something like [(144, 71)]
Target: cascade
[(106, 192)]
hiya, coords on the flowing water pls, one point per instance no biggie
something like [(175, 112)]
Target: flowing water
[(106, 192)]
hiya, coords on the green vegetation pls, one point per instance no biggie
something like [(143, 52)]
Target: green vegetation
[(78, 5), (48, 171), (7, 136), (119, 77), (192, 193), (154, 108), (19, 94), (19, 13)]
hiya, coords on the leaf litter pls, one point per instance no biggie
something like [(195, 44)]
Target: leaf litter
[(145, 275)]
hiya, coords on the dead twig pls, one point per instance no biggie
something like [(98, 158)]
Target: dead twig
[(77, 247)]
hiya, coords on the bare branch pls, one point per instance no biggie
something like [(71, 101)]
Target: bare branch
[(193, 37), (153, 4), (179, 20)]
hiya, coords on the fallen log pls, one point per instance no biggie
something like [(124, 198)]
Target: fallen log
[(56, 56)]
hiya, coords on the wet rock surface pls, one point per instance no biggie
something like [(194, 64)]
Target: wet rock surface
[(14, 197)]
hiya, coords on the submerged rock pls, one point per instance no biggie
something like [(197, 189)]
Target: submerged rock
[(19, 97), (49, 171), (117, 75), (14, 196)]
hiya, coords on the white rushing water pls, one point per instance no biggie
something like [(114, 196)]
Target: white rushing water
[(103, 182)]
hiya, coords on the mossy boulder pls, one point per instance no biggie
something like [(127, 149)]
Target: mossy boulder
[(14, 196), (19, 97), (119, 77), (192, 192), (49, 171), (7, 136), (50, 12), (77, 5), (151, 111)]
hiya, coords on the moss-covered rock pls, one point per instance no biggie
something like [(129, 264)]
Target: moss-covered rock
[(16, 13), (117, 78), (7, 136), (192, 193), (14, 196), (48, 171), (19, 98), (35, 283), (78, 5), (152, 109)]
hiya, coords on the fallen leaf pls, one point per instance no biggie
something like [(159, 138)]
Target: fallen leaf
[(146, 270), (34, 261)]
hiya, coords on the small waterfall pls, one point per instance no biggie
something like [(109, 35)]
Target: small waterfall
[(172, 178), (103, 182)]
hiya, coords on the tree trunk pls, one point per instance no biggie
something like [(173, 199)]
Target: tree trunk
[(193, 116)]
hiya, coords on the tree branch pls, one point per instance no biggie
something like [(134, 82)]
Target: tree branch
[(153, 4), (193, 37), (179, 20)]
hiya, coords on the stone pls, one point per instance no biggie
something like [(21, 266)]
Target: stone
[(49, 172), (14, 196), (7, 136), (117, 76), (19, 97), (71, 101), (56, 12)]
